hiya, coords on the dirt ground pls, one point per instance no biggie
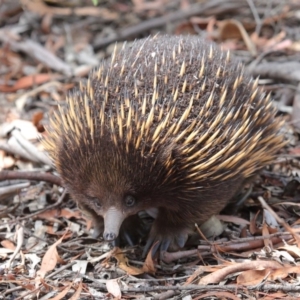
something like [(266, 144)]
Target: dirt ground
[(47, 252)]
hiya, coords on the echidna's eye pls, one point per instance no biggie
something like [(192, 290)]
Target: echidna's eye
[(129, 200), (95, 202)]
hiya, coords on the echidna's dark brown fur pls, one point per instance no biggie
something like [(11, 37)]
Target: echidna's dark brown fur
[(171, 123)]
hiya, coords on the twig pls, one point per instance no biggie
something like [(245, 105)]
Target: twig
[(256, 16), (36, 51), (13, 189), (30, 148), (61, 269), (288, 71), (231, 287), (166, 295), (32, 176), (242, 244), (207, 9), (20, 239), (12, 146), (57, 203), (279, 220)]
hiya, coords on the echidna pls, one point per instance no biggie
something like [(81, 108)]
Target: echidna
[(170, 123)]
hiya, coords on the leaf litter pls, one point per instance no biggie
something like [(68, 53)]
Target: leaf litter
[(46, 249)]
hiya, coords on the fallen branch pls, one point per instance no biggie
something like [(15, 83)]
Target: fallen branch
[(32, 176)]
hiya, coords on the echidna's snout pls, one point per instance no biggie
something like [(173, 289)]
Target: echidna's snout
[(113, 220)]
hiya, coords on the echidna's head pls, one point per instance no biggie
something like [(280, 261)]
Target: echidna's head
[(108, 182)]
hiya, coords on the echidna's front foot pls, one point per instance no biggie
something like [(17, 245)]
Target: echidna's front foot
[(164, 241), (133, 230)]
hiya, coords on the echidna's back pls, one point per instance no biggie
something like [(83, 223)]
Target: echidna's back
[(175, 98)]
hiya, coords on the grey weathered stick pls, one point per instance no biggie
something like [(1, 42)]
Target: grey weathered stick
[(36, 51), (208, 8)]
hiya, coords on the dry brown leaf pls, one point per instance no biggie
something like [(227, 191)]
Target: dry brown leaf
[(229, 29), (283, 45), (253, 228), (62, 293), (55, 213), (6, 162), (219, 275), (252, 277), (274, 42), (277, 295), (76, 295), (219, 295), (41, 8), (284, 272), (49, 260), (37, 117), (295, 46), (8, 245), (244, 232), (27, 82), (50, 230), (291, 249), (295, 151), (36, 120), (148, 265), (200, 270), (27, 286), (124, 264), (265, 232)]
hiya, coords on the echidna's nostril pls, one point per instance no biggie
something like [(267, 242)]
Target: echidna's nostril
[(109, 236)]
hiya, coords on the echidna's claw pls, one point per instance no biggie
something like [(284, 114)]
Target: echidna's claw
[(148, 245), (164, 243), (128, 238), (181, 240)]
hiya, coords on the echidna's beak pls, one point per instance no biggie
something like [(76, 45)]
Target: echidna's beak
[(113, 220)]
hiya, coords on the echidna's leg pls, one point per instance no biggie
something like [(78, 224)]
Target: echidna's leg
[(166, 233), (133, 229), (148, 245), (164, 242)]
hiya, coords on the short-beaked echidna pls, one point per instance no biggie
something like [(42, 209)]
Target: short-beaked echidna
[(169, 122)]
